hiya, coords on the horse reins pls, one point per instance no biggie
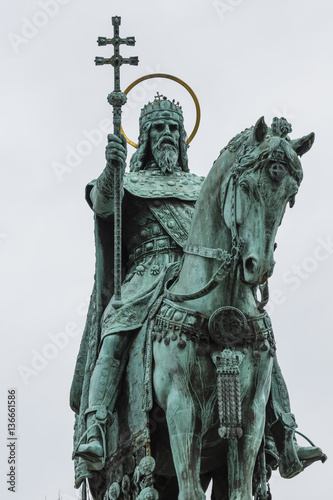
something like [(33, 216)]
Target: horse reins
[(229, 260)]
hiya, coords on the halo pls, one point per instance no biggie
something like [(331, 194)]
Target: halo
[(175, 79)]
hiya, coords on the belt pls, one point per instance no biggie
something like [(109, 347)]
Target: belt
[(153, 246)]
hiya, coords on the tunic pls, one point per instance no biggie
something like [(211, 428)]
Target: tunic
[(157, 211)]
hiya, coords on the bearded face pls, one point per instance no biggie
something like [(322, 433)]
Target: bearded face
[(164, 141)]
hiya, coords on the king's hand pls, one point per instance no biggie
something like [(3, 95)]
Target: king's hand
[(116, 151), (102, 195)]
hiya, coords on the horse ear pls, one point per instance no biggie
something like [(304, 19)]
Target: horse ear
[(303, 144), (260, 130)]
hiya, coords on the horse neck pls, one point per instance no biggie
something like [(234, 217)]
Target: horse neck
[(208, 229)]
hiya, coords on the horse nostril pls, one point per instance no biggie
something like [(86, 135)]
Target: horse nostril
[(250, 265)]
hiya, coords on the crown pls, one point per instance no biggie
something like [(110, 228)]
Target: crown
[(161, 107)]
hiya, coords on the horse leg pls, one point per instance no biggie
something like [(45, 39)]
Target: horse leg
[(242, 456), (243, 452), (185, 441)]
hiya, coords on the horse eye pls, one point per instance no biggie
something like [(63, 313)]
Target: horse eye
[(277, 171), (245, 187)]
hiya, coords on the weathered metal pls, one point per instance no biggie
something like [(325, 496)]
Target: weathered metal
[(181, 384)]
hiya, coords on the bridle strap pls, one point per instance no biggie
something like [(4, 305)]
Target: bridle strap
[(228, 261), (222, 271), (210, 253), (232, 184)]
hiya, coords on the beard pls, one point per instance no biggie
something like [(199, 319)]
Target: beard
[(166, 156)]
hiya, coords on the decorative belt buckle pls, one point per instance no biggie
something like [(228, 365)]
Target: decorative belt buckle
[(227, 326)]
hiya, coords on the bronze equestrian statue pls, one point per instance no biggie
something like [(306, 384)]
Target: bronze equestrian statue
[(191, 342)]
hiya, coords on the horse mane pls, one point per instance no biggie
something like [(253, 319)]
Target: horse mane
[(236, 142)]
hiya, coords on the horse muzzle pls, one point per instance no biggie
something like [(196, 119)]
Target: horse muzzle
[(256, 272)]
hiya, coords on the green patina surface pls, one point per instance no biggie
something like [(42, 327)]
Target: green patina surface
[(177, 381)]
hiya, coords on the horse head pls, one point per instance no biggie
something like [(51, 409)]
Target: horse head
[(263, 178)]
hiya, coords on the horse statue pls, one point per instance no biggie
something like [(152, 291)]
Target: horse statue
[(208, 348), (213, 379)]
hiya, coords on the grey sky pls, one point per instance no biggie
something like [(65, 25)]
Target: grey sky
[(244, 59)]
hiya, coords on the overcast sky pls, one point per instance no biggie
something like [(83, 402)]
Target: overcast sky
[(244, 59)]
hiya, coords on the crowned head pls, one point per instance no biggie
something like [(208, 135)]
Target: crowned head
[(162, 140)]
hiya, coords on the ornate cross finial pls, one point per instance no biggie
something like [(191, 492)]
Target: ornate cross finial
[(116, 60), (116, 98)]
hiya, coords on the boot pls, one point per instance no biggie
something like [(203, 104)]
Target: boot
[(281, 425), (94, 451), (103, 392), (310, 454), (293, 458), (289, 463)]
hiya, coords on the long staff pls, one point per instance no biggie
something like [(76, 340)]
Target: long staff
[(117, 99)]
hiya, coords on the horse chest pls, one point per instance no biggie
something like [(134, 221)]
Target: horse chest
[(183, 371)]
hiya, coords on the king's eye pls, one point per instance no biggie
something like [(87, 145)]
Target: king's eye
[(277, 171), (159, 127)]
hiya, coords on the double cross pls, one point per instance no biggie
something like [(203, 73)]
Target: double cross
[(116, 98)]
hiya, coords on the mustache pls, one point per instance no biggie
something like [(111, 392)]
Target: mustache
[(166, 140)]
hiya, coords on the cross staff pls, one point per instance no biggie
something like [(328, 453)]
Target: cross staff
[(117, 99)]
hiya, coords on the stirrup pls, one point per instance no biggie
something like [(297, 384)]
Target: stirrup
[(293, 464)]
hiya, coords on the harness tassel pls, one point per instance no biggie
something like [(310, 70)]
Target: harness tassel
[(227, 364)]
